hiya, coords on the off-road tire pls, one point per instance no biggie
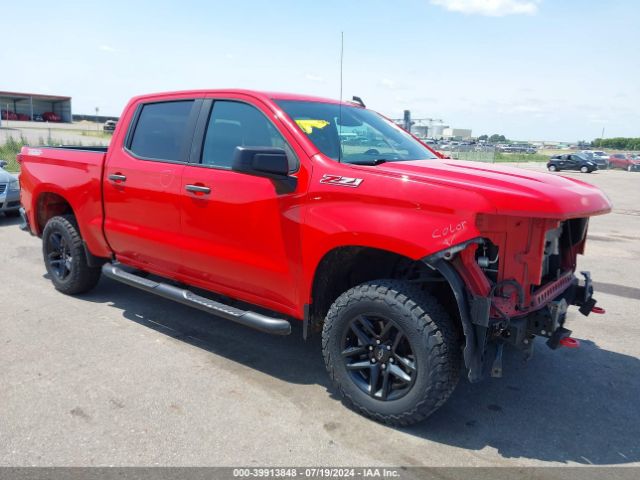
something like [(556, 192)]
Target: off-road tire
[(432, 334), (81, 277)]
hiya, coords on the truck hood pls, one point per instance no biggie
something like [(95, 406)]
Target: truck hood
[(511, 191)]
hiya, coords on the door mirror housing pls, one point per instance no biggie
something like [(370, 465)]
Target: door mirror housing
[(3, 163), (261, 161), (267, 162)]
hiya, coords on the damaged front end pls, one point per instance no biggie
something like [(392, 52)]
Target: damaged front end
[(515, 282)]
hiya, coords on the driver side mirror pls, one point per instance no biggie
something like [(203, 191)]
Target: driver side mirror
[(3, 163), (265, 162), (261, 161)]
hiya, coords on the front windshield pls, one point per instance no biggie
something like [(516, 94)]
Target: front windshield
[(354, 134)]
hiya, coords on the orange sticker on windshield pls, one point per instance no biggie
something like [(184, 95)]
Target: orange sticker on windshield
[(308, 125)]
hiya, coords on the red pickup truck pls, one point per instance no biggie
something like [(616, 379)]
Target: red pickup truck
[(413, 266)]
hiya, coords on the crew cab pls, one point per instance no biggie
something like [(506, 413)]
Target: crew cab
[(415, 268)]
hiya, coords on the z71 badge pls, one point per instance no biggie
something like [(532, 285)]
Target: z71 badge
[(342, 181)]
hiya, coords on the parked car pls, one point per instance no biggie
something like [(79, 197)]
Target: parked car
[(601, 158), (634, 165), (414, 267), (522, 148), (572, 161), (109, 125), (621, 160), (9, 192), (23, 117), (37, 117), (51, 117), (8, 115)]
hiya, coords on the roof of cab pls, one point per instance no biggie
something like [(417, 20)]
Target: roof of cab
[(253, 93)]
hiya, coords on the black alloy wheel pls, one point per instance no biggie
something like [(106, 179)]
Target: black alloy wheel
[(58, 255), (379, 357)]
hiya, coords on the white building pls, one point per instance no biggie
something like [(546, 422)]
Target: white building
[(462, 133)]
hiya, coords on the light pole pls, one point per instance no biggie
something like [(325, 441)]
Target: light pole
[(97, 124)]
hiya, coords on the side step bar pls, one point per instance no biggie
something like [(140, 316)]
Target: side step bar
[(255, 320)]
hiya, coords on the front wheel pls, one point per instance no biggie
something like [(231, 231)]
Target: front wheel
[(553, 168), (392, 351), (584, 169), (65, 258)]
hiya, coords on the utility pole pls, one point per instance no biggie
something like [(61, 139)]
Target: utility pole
[(97, 124)]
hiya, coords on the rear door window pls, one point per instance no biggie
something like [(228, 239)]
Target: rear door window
[(161, 131)]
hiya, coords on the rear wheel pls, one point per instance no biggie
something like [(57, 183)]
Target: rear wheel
[(12, 213), (392, 351), (585, 170), (65, 258)]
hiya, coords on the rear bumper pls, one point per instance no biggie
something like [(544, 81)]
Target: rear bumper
[(24, 226)]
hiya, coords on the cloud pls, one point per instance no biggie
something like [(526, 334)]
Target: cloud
[(314, 78), (107, 48), (385, 82), (490, 8)]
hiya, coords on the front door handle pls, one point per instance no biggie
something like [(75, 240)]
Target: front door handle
[(117, 177), (197, 189)]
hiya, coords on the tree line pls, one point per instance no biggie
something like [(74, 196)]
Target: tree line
[(619, 143), (495, 138)]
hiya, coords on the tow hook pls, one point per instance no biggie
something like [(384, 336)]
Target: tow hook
[(559, 337), (587, 303), (570, 342)]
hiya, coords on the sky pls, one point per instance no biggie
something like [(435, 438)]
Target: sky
[(557, 70)]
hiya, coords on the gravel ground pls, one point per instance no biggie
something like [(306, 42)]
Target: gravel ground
[(120, 377)]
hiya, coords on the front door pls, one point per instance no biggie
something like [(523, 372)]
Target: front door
[(142, 185), (242, 236)]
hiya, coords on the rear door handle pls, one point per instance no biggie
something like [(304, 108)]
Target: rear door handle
[(197, 189), (117, 177)]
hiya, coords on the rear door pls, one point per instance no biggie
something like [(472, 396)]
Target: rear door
[(242, 235), (142, 185)]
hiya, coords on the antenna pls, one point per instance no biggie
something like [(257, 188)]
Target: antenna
[(340, 105), (341, 61)]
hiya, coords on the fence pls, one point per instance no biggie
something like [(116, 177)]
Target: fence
[(489, 154), (476, 153)]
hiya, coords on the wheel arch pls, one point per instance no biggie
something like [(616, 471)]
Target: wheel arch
[(49, 204), (344, 267)]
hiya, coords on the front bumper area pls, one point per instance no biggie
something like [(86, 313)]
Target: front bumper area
[(548, 321), (9, 200)]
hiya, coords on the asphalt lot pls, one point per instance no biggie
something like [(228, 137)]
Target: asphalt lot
[(120, 377)]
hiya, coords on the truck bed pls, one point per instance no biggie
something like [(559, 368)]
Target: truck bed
[(74, 173)]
